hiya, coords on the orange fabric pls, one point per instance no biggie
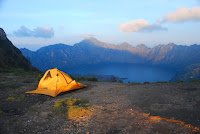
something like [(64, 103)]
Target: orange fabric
[(54, 82)]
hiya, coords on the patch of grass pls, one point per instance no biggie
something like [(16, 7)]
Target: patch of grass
[(77, 111), (81, 78), (92, 79), (8, 88), (146, 82), (11, 98), (21, 72), (61, 107), (180, 81), (195, 81), (1, 112), (78, 78), (162, 82), (61, 110), (16, 71), (120, 81), (72, 107), (136, 83), (32, 108), (81, 102), (18, 97)]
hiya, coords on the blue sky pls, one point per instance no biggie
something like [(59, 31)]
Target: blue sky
[(37, 23)]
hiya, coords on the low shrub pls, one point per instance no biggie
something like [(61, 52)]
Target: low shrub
[(92, 79), (61, 109), (8, 88), (1, 112), (78, 111), (120, 81), (32, 108), (11, 98), (19, 97), (72, 107), (162, 82), (81, 78), (195, 81), (180, 81), (136, 83), (146, 82)]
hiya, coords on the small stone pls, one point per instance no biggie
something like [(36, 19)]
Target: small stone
[(45, 114)]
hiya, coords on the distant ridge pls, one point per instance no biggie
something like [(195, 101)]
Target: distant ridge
[(93, 51), (10, 56)]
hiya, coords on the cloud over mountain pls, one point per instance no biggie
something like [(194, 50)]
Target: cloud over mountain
[(139, 25), (88, 35), (183, 14), (42, 32)]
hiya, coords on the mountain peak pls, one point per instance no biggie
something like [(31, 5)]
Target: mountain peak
[(125, 44), (94, 40), (2, 34), (171, 44), (143, 46)]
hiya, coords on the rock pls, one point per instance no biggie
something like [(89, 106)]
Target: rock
[(46, 114)]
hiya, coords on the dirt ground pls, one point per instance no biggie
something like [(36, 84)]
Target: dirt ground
[(116, 108)]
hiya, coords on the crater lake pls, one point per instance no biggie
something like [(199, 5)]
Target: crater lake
[(127, 72)]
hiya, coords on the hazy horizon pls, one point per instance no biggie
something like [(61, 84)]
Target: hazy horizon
[(36, 46)]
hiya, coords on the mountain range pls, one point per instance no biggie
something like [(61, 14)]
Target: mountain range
[(184, 59)]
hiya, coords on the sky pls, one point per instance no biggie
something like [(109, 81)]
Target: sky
[(36, 23)]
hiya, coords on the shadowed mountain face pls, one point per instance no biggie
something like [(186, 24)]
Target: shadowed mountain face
[(10, 56), (92, 51), (85, 52)]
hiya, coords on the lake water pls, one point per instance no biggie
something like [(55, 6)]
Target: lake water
[(133, 72)]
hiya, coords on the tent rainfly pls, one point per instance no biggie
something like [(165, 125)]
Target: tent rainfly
[(54, 82)]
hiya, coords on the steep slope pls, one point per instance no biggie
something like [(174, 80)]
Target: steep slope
[(10, 56), (191, 72), (175, 55)]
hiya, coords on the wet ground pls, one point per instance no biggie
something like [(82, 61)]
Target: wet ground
[(116, 108)]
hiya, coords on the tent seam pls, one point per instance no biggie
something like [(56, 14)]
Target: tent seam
[(63, 76)]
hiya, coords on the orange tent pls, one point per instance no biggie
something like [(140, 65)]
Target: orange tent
[(54, 82)]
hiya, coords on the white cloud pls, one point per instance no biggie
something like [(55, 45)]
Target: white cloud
[(42, 32), (183, 14), (139, 25), (88, 35)]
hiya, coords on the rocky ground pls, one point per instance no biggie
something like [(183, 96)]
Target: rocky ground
[(116, 108)]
